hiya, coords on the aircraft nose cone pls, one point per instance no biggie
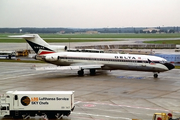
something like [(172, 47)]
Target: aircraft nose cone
[(169, 66)]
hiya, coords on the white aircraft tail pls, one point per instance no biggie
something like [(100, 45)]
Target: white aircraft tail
[(39, 45)]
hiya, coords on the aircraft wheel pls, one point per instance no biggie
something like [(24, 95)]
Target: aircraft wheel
[(9, 56), (92, 71), (155, 75), (81, 72)]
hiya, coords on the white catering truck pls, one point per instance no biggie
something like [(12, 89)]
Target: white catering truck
[(23, 104)]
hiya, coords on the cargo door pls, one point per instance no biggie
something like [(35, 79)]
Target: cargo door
[(132, 64)]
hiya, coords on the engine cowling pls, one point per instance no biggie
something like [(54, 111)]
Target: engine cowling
[(58, 48), (51, 58), (38, 57)]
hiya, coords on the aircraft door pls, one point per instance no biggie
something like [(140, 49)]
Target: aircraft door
[(133, 65), (144, 62)]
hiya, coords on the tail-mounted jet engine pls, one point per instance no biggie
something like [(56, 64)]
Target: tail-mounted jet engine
[(51, 58), (39, 57), (58, 48)]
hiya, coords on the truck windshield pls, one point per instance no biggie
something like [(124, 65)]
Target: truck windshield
[(3, 107)]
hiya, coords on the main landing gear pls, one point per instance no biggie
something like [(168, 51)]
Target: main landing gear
[(92, 71), (81, 72)]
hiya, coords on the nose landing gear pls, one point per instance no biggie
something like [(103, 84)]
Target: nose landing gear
[(155, 75)]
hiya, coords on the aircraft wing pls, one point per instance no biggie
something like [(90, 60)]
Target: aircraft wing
[(79, 67)]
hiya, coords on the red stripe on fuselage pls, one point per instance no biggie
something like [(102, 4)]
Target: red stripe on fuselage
[(46, 52)]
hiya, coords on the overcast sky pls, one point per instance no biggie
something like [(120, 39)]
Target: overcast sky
[(89, 13)]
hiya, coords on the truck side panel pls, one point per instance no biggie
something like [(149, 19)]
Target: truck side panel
[(31, 103), (42, 102)]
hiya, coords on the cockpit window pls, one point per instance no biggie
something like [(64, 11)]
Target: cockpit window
[(163, 61)]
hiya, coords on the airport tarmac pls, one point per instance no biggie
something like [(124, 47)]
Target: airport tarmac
[(110, 95)]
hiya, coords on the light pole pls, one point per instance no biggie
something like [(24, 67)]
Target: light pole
[(69, 43)]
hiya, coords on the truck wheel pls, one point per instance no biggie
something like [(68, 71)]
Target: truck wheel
[(9, 56), (27, 116), (45, 116), (17, 114), (67, 113), (51, 116), (17, 117), (58, 116)]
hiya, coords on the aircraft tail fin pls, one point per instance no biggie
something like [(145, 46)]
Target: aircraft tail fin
[(35, 41), (39, 45)]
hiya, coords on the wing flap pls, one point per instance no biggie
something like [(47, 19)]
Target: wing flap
[(58, 68), (98, 66)]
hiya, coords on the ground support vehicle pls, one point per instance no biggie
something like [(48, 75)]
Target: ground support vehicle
[(23, 104), (162, 116)]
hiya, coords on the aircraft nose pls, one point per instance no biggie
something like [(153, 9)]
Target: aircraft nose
[(169, 66)]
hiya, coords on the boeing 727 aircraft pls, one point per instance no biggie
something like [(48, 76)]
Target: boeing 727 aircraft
[(64, 60)]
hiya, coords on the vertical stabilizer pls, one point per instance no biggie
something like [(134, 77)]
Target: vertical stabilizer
[(39, 45), (35, 41)]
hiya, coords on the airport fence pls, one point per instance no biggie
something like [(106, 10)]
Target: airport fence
[(129, 46)]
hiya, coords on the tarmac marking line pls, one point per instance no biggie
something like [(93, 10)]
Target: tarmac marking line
[(106, 116), (128, 106)]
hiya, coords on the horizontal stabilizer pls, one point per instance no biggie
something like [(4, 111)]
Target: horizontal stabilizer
[(22, 36)]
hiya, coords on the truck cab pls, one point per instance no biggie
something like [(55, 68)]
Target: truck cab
[(4, 110), (4, 105)]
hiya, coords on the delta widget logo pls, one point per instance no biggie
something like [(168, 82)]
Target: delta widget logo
[(25, 100)]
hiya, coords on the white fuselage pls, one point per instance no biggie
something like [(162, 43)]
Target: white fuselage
[(73, 60), (109, 61)]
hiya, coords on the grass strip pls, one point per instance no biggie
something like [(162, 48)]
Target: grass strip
[(56, 40), (164, 42), (21, 61)]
